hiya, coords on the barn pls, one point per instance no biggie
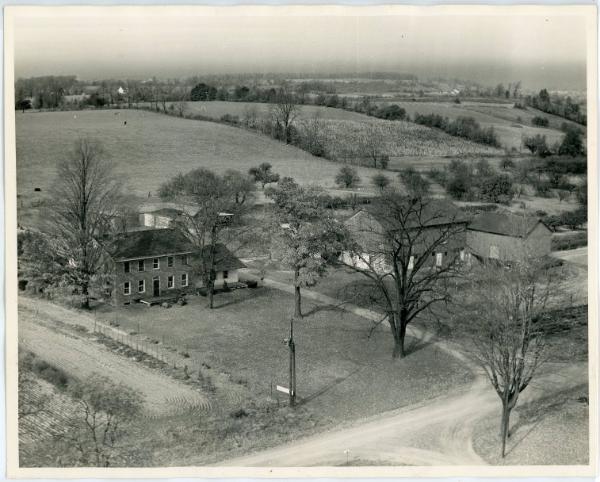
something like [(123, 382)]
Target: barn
[(371, 226), (507, 237)]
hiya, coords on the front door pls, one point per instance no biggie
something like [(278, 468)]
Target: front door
[(156, 286)]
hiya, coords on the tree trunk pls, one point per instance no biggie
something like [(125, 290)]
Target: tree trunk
[(505, 426), (399, 336), (85, 292), (211, 296), (297, 296)]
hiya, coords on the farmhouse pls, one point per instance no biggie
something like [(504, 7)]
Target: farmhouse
[(372, 225), (507, 237), (159, 218), (157, 264)]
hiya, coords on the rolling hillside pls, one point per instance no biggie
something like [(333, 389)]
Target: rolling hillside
[(151, 148)]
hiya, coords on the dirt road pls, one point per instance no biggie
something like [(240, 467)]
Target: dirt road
[(81, 357), (444, 426)]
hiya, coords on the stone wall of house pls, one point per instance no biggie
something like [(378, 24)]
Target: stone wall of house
[(162, 273)]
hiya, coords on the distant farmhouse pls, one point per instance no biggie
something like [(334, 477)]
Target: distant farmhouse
[(369, 225), (507, 237)]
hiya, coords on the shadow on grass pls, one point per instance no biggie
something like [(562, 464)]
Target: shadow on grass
[(325, 389), (533, 413), (251, 293)]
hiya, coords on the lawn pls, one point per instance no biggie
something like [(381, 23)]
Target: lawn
[(342, 373)]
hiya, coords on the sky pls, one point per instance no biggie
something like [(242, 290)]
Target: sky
[(541, 50)]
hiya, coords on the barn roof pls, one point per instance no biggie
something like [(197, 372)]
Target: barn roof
[(149, 243), (430, 212), (506, 224)]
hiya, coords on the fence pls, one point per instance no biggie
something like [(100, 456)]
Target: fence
[(153, 348)]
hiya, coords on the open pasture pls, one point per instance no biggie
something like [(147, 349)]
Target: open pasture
[(149, 148)]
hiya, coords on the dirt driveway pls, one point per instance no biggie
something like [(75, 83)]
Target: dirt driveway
[(438, 433), (81, 357)]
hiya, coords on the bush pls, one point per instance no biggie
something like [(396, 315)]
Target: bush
[(540, 121), (51, 374), (380, 181), (569, 241), (391, 112), (347, 177), (497, 189), (572, 144)]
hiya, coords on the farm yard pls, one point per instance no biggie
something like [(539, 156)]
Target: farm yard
[(343, 375)]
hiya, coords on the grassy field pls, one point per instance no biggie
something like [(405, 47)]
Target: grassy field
[(343, 128), (342, 374), (153, 147)]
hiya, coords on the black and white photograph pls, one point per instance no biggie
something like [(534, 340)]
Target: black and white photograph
[(301, 240)]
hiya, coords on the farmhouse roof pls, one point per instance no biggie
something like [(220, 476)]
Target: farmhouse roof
[(225, 260), (506, 224), (149, 243), (431, 212)]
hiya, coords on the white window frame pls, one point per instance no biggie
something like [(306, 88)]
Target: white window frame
[(142, 263), (184, 279), (143, 290), (170, 261), (185, 259), (225, 274), (127, 288), (170, 282), (155, 263)]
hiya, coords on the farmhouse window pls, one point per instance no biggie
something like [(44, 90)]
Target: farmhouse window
[(185, 259), (127, 288), (184, 279), (225, 274), (141, 265), (141, 286), (126, 267), (438, 259), (411, 262), (170, 261), (170, 282), (155, 263)]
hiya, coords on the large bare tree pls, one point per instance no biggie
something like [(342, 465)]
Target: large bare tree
[(503, 316), (408, 249), (85, 202)]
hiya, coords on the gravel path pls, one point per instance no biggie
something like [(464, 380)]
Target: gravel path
[(80, 358)]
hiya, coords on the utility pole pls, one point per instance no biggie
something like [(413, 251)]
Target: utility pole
[(292, 347)]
